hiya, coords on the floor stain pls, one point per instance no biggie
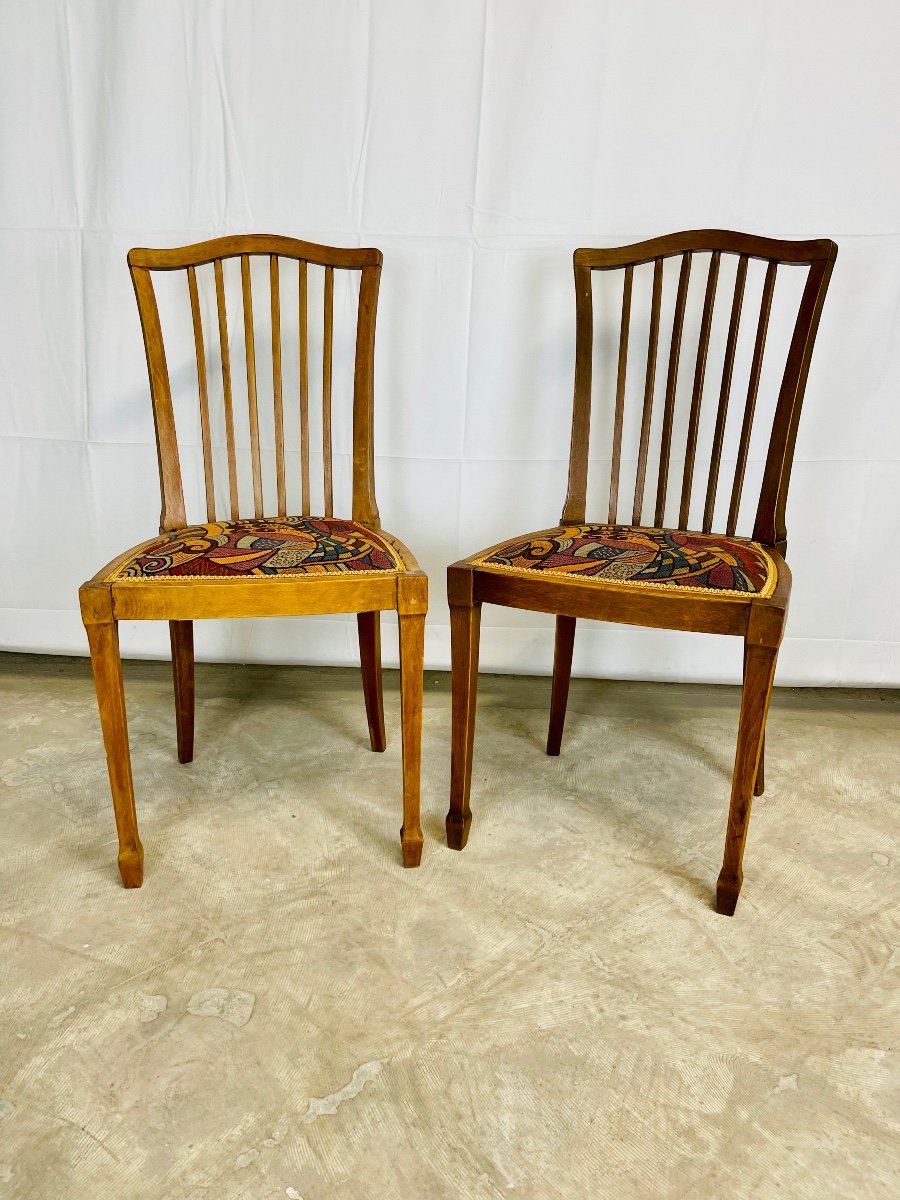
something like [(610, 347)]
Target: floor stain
[(329, 1105), (228, 1004), (151, 1006)]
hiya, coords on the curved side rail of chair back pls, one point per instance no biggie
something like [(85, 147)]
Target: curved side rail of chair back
[(817, 256), (143, 262)]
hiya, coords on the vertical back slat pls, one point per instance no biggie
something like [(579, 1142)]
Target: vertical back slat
[(304, 390), (250, 349), (226, 390), (620, 393), (769, 526), (649, 388), (204, 395), (671, 387), (724, 393), (576, 495), (365, 506), (709, 301), (326, 388), (172, 515), (278, 402), (752, 391)]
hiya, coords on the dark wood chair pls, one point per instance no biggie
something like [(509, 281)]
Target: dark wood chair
[(276, 565), (659, 575)]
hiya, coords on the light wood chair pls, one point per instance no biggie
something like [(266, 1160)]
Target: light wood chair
[(655, 574), (261, 566)]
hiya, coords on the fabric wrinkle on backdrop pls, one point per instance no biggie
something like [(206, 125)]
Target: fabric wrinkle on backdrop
[(477, 145)]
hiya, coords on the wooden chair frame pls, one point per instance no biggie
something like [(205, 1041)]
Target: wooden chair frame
[(181, 601), (760, 622)]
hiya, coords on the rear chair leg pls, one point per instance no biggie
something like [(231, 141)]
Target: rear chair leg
[(103, 638), (369, 627), (465, 626), (562, 673), (759, 673), (181, 635), (759, 785)]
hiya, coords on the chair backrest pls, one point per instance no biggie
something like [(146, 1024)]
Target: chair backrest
[(769, 525), (309, 258)]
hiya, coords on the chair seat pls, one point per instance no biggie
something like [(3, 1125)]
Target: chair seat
[(276, 546), (634, 556)]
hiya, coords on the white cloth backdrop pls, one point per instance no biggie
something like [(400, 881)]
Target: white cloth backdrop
[(477, 143)]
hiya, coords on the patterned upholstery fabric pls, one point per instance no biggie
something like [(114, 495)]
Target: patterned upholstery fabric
[(277, 546), (627, 554)]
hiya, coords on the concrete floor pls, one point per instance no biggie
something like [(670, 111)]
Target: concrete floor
[(283, 1011)]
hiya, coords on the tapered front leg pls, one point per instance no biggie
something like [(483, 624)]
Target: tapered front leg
[(181, 635), (759, 673), (412, 604), (103, 639), (412, 647), (369, 627), (465, 625), (562, 673)]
